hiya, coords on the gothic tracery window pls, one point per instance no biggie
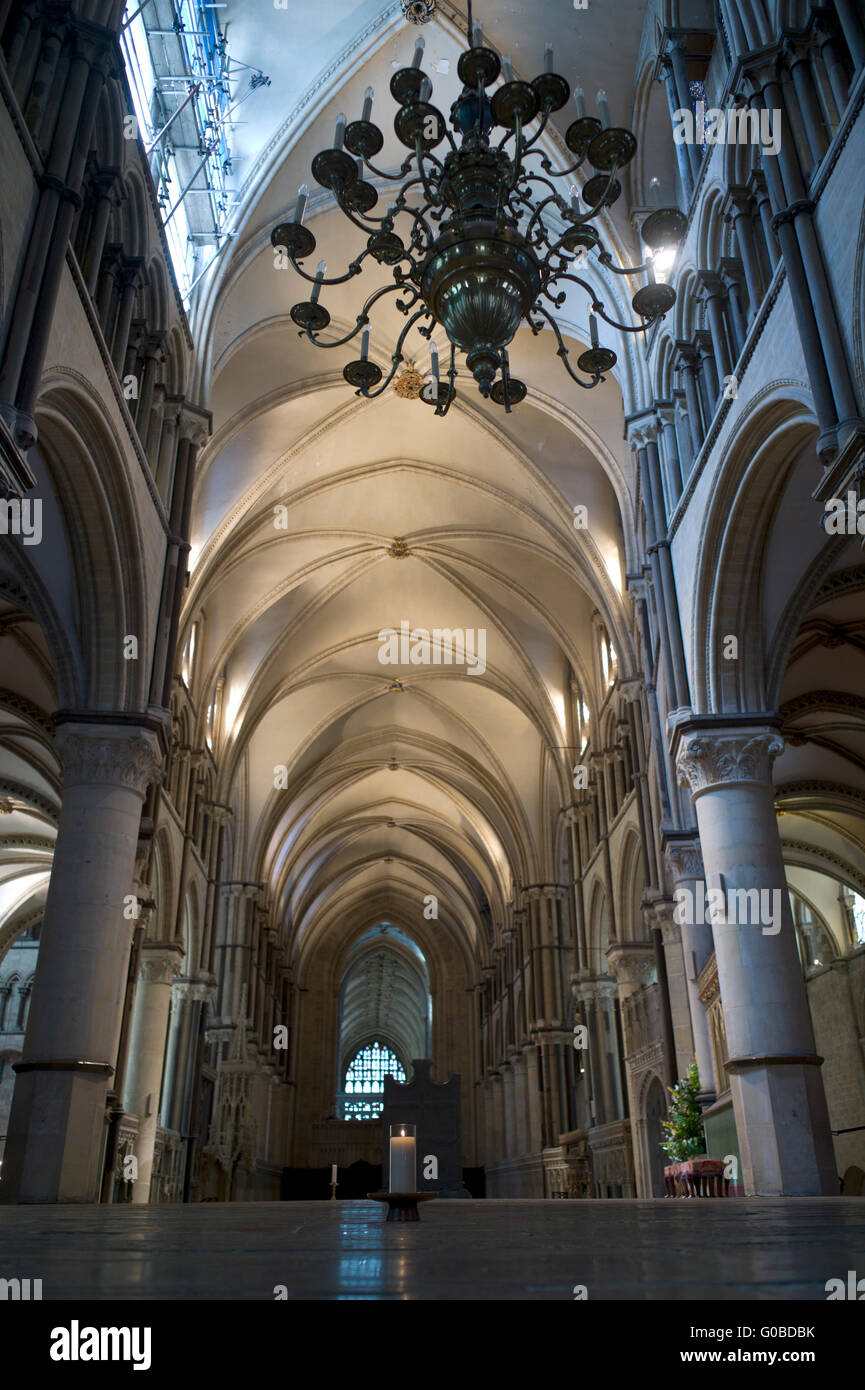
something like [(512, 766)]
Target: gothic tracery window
[(364, 1081)]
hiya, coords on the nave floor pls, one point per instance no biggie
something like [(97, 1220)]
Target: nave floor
[(762, 1248)]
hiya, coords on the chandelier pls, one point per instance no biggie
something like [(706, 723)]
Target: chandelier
[(468, 237)]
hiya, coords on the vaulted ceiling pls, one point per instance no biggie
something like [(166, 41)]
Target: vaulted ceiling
[(321, 519)]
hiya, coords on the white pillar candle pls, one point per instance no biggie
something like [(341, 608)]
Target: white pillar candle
[(580, 100), (655, 192), (603, 109), (339, 133), (403, 1170), (367, 103), (333, 1172), (302, 196)]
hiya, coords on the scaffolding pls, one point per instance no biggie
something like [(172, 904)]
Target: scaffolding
[(186, 89)]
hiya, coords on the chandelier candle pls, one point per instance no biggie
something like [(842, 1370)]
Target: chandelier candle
[(320, 272), (434, 362), (548, 57), (419, 46), (580, 102), (302, 199), (507, 69), (364, 345), (478, 34), (655, 192), (403, 1166), (603, 109), (339, 133), (593, 329), (367, 104)]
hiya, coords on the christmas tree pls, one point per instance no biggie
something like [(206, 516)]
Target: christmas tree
[(684, 1128)]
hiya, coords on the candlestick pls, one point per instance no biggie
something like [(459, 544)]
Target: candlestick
[(367, 103), (580, 99), (320, 272), (603, 109), (364, 344), (655, 192), (339, 133), (507, 69), (548, 57), (419, 46), (302, 197), (478, 34), (403, 1169), (593, 329)]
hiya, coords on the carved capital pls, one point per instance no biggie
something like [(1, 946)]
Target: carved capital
[(100, 754), (160, 962), (707, 760), (632, 963), (686, 860)]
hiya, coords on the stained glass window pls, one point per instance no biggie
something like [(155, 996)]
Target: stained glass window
[(364, 1077), (698, 97)]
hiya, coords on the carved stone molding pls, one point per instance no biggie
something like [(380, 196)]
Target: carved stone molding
[(195, 991), (90, 754), (707, 760)]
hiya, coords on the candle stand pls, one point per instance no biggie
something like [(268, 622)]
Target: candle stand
[(402, 1206)]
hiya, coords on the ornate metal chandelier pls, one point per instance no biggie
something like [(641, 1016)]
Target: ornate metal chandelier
[(475, 253)]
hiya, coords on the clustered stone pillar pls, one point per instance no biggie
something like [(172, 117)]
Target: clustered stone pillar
[(58, 1112), (777, 1089), (686, 864), (160, 962)]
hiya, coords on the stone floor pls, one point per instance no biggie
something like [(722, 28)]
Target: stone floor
[(702, 1249)]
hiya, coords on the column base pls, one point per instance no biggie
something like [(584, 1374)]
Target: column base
[(56, 1132), (783, 1126)]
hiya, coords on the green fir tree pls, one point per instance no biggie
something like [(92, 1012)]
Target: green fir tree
[(684, 1127)]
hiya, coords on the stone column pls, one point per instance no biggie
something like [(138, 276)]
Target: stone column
[(521, 1106), (677, 987), (499, 1144), (714, 295), (686, 867), (510, 1128), (672, 468), (682, 160), (534, 1112), (778, 1098), (689, 360), (799, 61), (851, 27), (731, 277), (676, 50), (58, 1111), (160, 962), (741, 215)]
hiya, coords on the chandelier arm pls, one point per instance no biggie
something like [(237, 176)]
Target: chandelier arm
[(431, 197), (597, 304), (396, 359), (362, 318), (354, 269), (562, 352), (541, 128), (593, 212), (404, 169), (536, 215), (518, 151), (367, 226), (606, 259), (560, 173)]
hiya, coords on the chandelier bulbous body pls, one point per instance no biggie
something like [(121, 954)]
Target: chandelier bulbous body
[(485, 239)]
